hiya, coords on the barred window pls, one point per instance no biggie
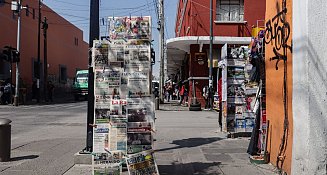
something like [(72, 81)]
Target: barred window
[(230, 10)]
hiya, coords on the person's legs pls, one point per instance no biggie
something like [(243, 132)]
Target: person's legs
[(206, 103), (6, 98), (182, 98)]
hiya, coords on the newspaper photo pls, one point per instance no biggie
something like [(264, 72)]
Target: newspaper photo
[(100, 138), (139, 136), (144, 104), (100, 53), (118, 111), (117, 52), (139, 127), (107, 163), (137, 115), (142, 163), (139, 139), (102, 116)]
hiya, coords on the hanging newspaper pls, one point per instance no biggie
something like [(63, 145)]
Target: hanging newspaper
[(102, 95), (100, 138), (137, 58), (107, 163), (142, 163), (129, 28), (118, 137), (118, 111), (146, 104), (139, 137), (135, 84), (100, 54), (100, 62)]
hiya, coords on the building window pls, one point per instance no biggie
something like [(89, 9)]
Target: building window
[(33, 13), (62, 74), (230, 10), (76, 41)]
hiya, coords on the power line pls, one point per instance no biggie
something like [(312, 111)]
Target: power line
[(64, 2)]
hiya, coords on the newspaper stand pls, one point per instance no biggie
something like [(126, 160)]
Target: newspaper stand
[(124, 107), (237, 96)]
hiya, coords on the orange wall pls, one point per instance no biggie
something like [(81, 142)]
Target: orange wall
[(61, 41), (274, 86)]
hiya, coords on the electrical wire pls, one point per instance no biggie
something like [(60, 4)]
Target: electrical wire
[(64, 2)]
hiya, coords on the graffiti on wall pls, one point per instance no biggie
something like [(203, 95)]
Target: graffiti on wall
[(278, 32)]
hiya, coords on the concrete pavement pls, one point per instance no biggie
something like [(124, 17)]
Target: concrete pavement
[(190, 143)]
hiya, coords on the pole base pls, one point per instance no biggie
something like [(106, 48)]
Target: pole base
[(16, 100)]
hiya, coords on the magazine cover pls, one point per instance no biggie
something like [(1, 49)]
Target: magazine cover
[(130, 28), (142, 163)]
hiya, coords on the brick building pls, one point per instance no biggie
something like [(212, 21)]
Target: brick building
[(67, 51)]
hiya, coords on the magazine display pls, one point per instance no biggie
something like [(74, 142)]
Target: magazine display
[(238, 92)]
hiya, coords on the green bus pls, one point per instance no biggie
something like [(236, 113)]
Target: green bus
[(80, 85)]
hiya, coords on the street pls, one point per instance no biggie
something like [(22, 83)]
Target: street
[(45, 138)]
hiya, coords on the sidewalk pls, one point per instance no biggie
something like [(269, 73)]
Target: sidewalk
[(189, 143)]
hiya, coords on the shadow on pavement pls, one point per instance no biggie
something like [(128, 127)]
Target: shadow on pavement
[(194, 168), (24, 158), (191, 142)]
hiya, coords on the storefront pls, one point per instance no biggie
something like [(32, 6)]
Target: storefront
[(189, 58)]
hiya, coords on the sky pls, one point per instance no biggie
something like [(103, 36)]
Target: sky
[(77, 12)]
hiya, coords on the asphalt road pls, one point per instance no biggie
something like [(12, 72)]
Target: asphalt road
[(44, 137)]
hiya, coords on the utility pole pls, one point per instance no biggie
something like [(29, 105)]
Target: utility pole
[(38, 75), (94, 34), (211, 58), (19, 8), (45, 28), (161, 48)]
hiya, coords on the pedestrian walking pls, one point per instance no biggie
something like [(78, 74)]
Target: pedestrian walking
[(7, 92), (170, 92), (156, 92), (181, 92), (186, 96), (205, 94)]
